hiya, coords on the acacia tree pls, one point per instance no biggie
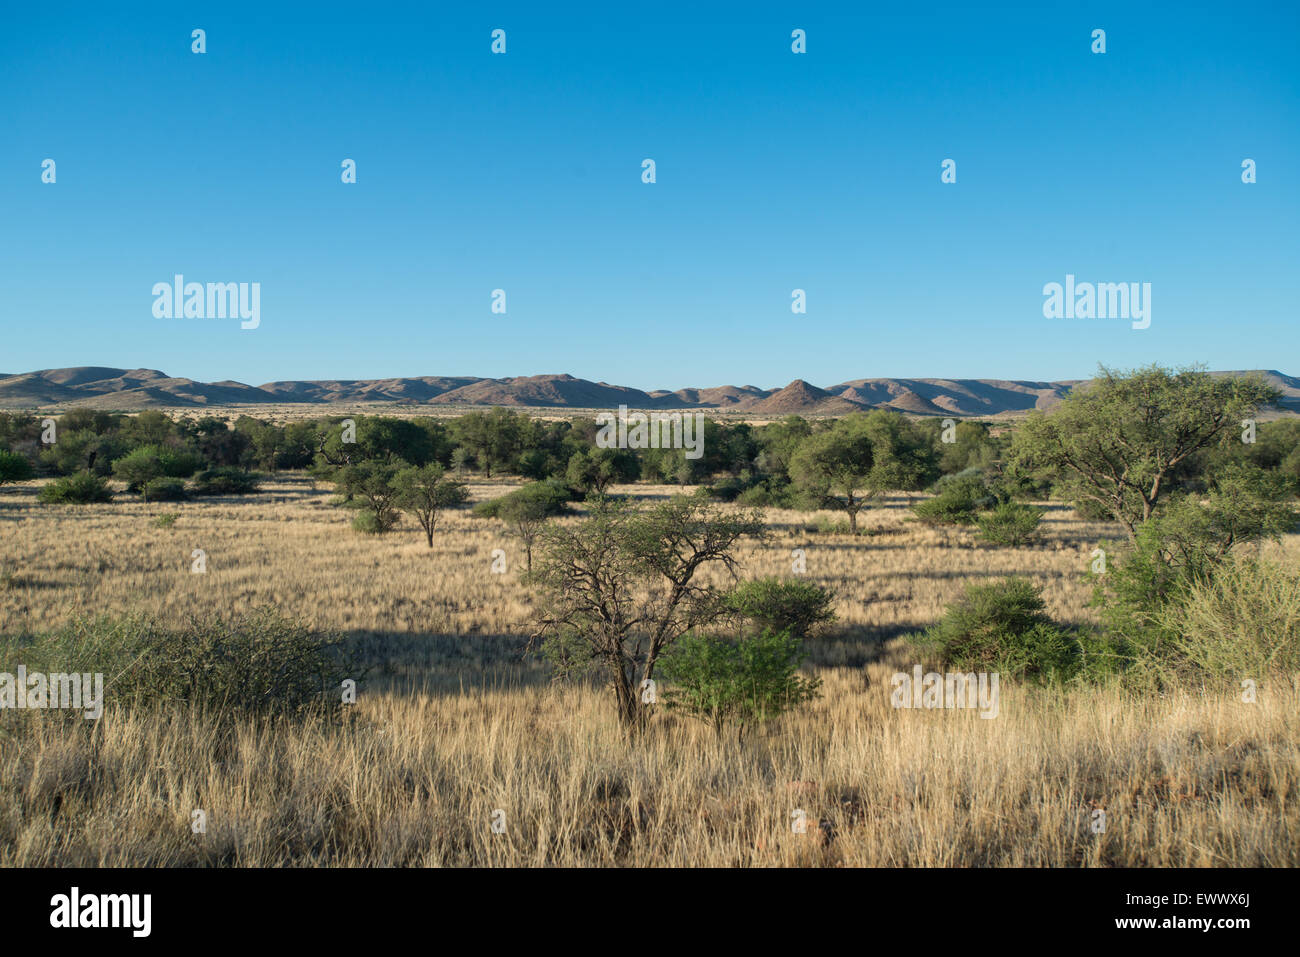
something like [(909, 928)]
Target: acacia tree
[(595, 470), (620, 587), (425, 491), (834, 468), (1123, 439), (526, 510), (374, 482), (138, 468)]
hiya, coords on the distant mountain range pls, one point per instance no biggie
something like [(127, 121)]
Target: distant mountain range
[(133, 389)]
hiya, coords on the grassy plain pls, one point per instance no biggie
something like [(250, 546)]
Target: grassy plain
[(454, 720)]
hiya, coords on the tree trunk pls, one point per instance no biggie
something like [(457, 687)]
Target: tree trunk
[(627, 703)]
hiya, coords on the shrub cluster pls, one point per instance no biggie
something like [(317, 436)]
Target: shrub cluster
[(258, 662)]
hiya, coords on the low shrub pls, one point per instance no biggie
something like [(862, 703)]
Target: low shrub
[(1003, 627), (14, 467), (226, 480), (957, 501), (769, 493), (164, 490), (1243, 622), (1010, 524), (253, 663), (742, 683), (547, 498), (781, 604), (81, 488), (367, 522)]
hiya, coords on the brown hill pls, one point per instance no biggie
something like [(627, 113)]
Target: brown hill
[(129, 389), (801, 398), (546, 390)]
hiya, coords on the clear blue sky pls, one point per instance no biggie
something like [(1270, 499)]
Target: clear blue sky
[(523, 172)]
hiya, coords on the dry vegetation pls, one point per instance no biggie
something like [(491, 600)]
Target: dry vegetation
[(454, 721)]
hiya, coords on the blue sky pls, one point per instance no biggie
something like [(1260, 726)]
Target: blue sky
[(775, 171)]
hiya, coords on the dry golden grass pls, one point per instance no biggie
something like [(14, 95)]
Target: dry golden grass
[(454, 723)]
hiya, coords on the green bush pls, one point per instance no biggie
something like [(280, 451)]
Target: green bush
[(780, 604), (83, 488), (831, 526), (770, 493), (14, 467), (1244, 622), (253, 663), (166, 520), (1003, 627), (1184, 544), (547, 498), (957, 502), (178, 463), (138, 468), (367, 522), (742, 683), (164, 490), (1010, 524), (226, 480)]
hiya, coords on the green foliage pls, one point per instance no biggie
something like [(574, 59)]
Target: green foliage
[(14, 467), (255, 663), (834, 468), (425, 492), (750, 681), (165, 520), (372, 486), (783, 605), (1088, 509), (83, 488), (1244, 622), (772, 492), (1184, 544), (526, 510), (1003, 627), (164, 490), (594, 471), (138, 468), (142, 467), (226, 480), (551, 496), (973, 445), (179, 463), (1010, 523), (1128, 438), (624, 583), (493, 439), (960, 498), (367, 523)]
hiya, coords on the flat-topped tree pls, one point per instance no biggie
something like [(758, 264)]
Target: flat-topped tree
[(1122, 440), (620, 587), (425, 492), (860, 457)]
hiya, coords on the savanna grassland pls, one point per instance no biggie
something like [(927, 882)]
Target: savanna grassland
[(454, 719)]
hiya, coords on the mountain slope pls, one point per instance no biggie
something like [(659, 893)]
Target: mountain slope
[(132, 389)]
